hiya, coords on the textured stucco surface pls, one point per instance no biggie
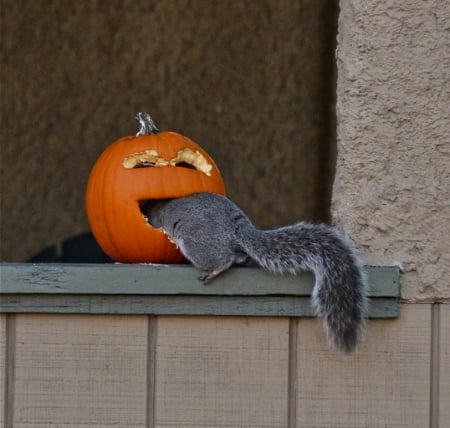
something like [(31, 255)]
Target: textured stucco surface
[(250, 81), (392, 186)]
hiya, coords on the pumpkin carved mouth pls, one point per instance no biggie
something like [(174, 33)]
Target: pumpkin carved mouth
[(148, 205), (185, 158)]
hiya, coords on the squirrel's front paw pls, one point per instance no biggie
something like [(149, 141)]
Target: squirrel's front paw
[(206, 277)]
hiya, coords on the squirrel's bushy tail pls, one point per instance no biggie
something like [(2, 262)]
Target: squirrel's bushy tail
[(340, 293)]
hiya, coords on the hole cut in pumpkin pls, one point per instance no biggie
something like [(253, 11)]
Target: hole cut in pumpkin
[(147, 205), (185, 165), (186, 158), (144, 159)]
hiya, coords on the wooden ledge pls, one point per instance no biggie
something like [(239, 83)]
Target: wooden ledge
[(173, 290)]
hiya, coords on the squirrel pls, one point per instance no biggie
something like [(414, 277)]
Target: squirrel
[(213, 233)]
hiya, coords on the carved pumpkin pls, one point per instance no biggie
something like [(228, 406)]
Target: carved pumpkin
[(135, 169)]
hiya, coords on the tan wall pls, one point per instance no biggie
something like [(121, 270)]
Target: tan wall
[(135, 371), (392, 188), (251, 81)]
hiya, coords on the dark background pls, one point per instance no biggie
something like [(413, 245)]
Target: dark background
[(252, 82)]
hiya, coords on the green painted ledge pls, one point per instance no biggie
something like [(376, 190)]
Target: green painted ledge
[(173, 290)]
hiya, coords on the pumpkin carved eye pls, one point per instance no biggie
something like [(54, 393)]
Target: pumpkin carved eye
[(142, 159), (186, 158), (148, 166)]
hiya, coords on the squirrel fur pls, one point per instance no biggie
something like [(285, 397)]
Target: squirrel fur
[(213, 234)]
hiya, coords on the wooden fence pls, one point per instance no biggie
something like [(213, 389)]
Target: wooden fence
[(149, 346)]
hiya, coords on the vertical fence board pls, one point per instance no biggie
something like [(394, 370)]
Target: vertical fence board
[(385, 384), (222, 372), (80, 371), (444, 375), (2, 367)]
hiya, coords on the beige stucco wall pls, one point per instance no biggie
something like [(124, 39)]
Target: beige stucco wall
[(250, 81), (392, 187)]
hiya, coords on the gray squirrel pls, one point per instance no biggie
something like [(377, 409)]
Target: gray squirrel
[(213, 234)]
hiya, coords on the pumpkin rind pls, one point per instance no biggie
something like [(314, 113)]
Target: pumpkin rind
[(113, 194)]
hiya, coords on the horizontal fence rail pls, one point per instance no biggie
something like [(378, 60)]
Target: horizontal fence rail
[(173, 290)]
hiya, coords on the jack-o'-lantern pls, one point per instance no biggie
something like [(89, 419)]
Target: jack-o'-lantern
[(136, 169)]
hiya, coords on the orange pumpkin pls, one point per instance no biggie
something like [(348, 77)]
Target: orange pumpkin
[(134, 169)]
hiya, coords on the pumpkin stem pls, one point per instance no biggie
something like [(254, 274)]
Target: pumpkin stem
[(146, 124)]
